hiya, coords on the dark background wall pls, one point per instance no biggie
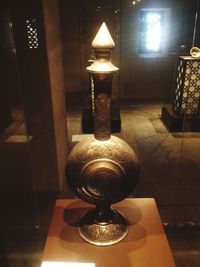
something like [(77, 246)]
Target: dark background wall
[(141, 79), (10, 89), (32, 84), (35, 84)]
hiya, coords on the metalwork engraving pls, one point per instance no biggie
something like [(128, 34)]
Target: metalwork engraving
[(102, 169), (102, 117)]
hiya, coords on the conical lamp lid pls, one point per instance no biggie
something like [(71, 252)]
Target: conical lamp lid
[(103, 39)]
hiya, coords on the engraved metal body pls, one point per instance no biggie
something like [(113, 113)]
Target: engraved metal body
[(102, 173), (102, 169)]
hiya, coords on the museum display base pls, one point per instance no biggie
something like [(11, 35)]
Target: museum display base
[(145, 244), (177, 123)]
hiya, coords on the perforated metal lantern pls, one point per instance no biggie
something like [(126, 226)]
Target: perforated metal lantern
[(187, 88)]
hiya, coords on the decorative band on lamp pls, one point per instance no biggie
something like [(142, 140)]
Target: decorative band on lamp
[(187, 88)]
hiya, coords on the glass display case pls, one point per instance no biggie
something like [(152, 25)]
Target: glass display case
[(46, 107)]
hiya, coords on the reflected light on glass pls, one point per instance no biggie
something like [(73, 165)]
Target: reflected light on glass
[(153, 31), (66, 264), (135, 2)]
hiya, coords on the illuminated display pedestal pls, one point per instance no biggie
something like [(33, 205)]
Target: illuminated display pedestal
[(184, 113), (145, 245)]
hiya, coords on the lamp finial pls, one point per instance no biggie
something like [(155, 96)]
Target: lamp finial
[(103, 39)]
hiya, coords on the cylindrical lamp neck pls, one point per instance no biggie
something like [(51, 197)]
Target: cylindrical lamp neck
[(102, 127), (102, 101)]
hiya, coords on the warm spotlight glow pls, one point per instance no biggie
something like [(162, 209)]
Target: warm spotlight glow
[(108, 142), (66, 264), (103, 38)]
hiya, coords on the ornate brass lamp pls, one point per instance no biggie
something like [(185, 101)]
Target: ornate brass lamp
[(102, 169)]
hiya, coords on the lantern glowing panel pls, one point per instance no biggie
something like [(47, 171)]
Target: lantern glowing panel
[(187, 88)]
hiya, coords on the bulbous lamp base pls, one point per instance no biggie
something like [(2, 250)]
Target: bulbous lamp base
[(102, 173), (103, 226)]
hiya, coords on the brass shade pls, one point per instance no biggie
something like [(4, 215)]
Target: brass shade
[(102, 66)]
